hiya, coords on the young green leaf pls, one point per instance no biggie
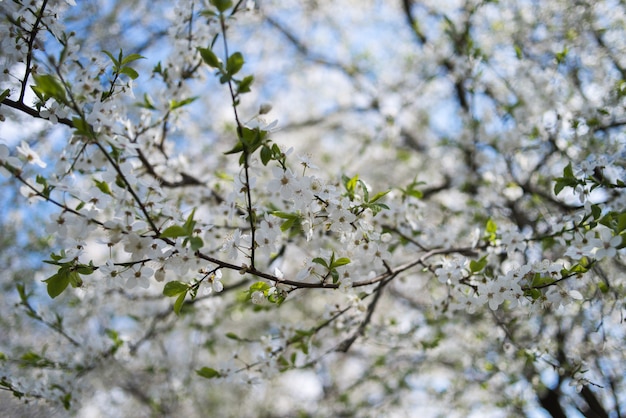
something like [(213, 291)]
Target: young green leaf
[(320, 261), (5, 94), (208, 373), (222, 5), (266, 154), (116, 63), (178, 104), (189, 222), (245, 83), (378, 196), (340, 262), (234, 63), (178, 305), (210, 58), (48, 86), (478, 265), (131, 72), (174, 288), (196, 243), (57, 283), (132, 57), (174, 231)]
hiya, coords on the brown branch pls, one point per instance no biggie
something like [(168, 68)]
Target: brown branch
[(19, 105), (407, 5), (345, 345)]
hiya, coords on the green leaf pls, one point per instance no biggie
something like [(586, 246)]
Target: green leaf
[(208, 373), (174, 288), (621, 223), (66, 400), (596, 211), (541, 281), (560, 56), (533, 293), (491, 229), (189, 222), (131, 58), (266, 154), (350, 184), (252, 138), (568, 172), (6, 94), (103, 186), (147, 103), (196, 243), (48, 86), (376, 207), (174, 231), (340, 262), (222, 5), (378, 196), (178, 305), (288, 224), (478, 265), (366, 193), (236, 149), (81, 127), (320, 261), (85, 269), (418, 194), (129, 72), (283, 363), (234, 63), (116, 63), (46, 187), (178, 104), (232, 336), (56, 257), (58, 283), (114, 336), (562, 182), (210, 58), (244, 85)]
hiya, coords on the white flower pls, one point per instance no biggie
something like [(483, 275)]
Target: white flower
[(514, 241), (110, 272), (138, 275), (607, 244), (305, 161), (137, 245), (215, 283), (7, 160), (283, 183), (340, 217), (31, 156), (494, 293), (267, 234), (232, 244), (451, 271)]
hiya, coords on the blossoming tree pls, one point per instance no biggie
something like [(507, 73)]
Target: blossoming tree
[(434, 226)]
